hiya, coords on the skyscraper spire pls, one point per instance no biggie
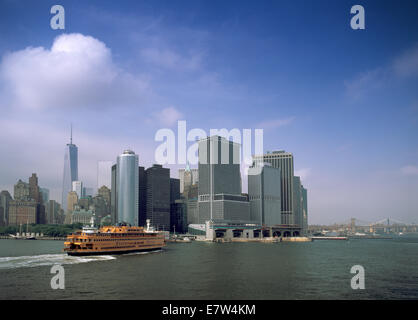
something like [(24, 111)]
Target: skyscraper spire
[(70, 169)]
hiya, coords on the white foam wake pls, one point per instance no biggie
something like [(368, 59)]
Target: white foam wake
[(47, 260)]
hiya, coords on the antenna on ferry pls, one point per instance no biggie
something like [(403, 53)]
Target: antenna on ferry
[(148, 224)]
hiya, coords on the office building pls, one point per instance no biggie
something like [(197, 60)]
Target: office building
[(21, 191), (2, 217), (219, 188), (28, 202), (78, 188), (104, 171), (192, 212), (284, 161), (44, 195), (53, 212), (188, 177), (5, 199), (113, 196), (174, 208), (178, 218), (70, 170), (142, 187), (82, 216), (87, 192), (23, 212), (105, 193), (72, 201), (297, 202), (305, 209), (100, 206), (158, 196), (127, 188), (264, 195)]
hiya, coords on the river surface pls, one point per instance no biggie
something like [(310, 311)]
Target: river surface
[(199, 270)]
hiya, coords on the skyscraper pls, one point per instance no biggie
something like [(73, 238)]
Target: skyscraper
[(5, 199), (127, 188), (113, 196), (158, 196), (304, 209), (188, 177), (264, 194), (78, 188), (220, 181), (70, 169), (142, 207), (297, 202), (104, 169), (284, 161), (72, 201)]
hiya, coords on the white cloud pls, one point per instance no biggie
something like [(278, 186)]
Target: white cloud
[(407, 63), (275, 123), (410, 170), (403, 66), (171, 60), (168, 116), (366, 82), (76, 72), (303, 173)]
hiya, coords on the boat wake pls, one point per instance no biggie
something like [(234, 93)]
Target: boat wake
[(142, 252), (47, 260)]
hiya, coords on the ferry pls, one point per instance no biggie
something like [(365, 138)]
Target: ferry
[(113, 240)]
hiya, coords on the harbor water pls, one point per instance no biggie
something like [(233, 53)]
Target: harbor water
[(201, 270)]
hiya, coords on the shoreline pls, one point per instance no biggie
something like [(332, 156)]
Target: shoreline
[(40, 238)]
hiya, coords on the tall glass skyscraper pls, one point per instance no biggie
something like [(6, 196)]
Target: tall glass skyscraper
[(284, 161), (70, 170), (127, 185), (220, 181)]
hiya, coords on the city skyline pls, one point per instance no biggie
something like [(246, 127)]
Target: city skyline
[(344, 102)]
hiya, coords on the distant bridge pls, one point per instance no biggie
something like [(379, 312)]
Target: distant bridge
[(389, 222), (386, 225)]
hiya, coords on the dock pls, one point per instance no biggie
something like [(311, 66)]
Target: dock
[(328, 238)]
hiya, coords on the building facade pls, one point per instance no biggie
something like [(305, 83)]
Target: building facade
[(284, 161), (70, 170), (219, 187), (5, 199), (142, 187), (78, 188), (188, 177), (127, 188), (305, 209), (158, 196), (264, 194), (72, 201), (113, 196), (297, 202), (23, 212), (53, 213)]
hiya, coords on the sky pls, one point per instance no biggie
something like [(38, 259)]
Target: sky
[(343, 101)]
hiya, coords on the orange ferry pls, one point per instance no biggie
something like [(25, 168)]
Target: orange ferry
[(113, 240)]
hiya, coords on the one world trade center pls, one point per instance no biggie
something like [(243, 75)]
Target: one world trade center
[(70, 170)]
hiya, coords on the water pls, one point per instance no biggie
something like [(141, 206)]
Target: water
[(198, 270)]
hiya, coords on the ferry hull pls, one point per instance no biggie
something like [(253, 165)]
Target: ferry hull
[(102, 253)]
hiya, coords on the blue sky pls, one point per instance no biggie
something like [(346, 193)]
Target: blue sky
[(343, 101)]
